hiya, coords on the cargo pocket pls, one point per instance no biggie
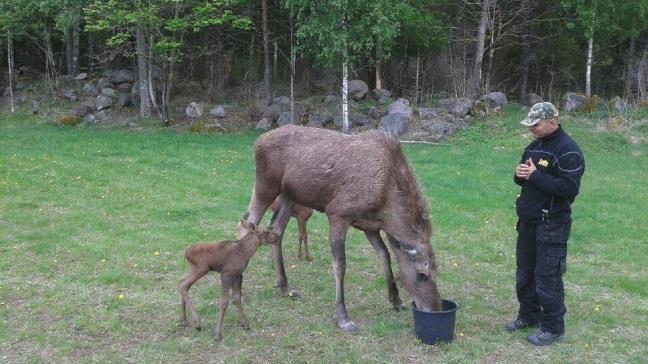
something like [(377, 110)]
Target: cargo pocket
[(553, 238)]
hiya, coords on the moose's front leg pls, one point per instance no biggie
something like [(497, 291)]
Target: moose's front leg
[(381, 249), (338, 228)]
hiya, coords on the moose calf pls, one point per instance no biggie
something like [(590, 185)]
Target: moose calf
[(302, 214), (229, 258)]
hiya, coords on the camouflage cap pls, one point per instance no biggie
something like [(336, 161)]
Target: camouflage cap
[(540, 111)]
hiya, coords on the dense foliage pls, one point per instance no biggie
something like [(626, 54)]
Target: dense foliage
[(417, 49)]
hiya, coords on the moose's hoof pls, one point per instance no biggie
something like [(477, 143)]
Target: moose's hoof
[(309, 258), (347, 326), (245, 326), (184, 323), (218, 336)]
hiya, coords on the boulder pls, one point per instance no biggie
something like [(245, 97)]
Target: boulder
[(358, 89), (377, 112), (124, 88), (272, 112), (36, 107), (574, 101), (218, 111), (193, 111), (264, 124), (102, 102), (317, 120), (21, 85), (90, 89), (70, 95), (394, 123), (108, 91), (81, 76), (403, 101), (331, 100), (103, 82), (377, 94), (618, 104), (495, 99), (531, 99), (283, 102), (124, 100), (459, 107), (82, 111), (398, 107), (285, 118), (428, 113), (122, 76)]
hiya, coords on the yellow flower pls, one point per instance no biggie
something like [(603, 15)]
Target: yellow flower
[(121, 296), (157, 253)]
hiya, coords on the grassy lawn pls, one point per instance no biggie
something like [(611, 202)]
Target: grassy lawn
[(93, 224)]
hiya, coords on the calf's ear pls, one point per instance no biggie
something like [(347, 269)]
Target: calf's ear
[(247, 225)]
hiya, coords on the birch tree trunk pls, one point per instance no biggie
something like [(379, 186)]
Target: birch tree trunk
[(142, 73), (345, 93), (292, 75), (378, 65), (266, 52), (10, 66), (418, 67), (588, 72)]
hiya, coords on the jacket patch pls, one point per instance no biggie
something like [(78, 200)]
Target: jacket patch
[(543, 162)]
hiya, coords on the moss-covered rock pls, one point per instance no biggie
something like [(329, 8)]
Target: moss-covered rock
[(69, 120)]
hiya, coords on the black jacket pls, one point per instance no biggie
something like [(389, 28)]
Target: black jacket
[(555, 183)]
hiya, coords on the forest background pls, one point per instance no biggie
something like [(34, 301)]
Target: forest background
[(250, 52)]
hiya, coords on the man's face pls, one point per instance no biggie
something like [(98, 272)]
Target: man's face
[(543, 128)]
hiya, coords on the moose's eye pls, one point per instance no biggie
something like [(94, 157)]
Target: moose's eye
[(421, 277)]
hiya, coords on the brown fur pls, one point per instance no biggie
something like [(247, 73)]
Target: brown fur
[(229, 258), (360, 180), (301, 214)]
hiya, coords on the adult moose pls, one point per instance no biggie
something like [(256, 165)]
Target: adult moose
[(359, 180)]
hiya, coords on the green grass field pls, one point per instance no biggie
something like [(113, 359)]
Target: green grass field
[(93, 224)]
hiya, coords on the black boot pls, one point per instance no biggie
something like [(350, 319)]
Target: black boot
[(518, 324), (543, 337)]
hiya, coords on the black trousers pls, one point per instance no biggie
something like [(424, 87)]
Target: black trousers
[(541, 257)]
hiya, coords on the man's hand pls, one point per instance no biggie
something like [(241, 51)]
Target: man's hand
[(524, 170)]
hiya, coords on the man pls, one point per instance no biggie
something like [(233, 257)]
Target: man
[(549, 172)]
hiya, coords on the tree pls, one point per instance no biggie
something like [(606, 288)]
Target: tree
[(10, 26), (590, 18), (335, 33), (156, 27)]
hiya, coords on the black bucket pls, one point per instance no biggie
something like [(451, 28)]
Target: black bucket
[(433, 327)]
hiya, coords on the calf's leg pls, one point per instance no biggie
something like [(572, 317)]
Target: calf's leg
[(338, 228), (236, 298), (183, 287), (381, 249), (303, 238), (226, 283)]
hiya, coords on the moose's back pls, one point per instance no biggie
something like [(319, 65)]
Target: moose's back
[(320, 168)]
